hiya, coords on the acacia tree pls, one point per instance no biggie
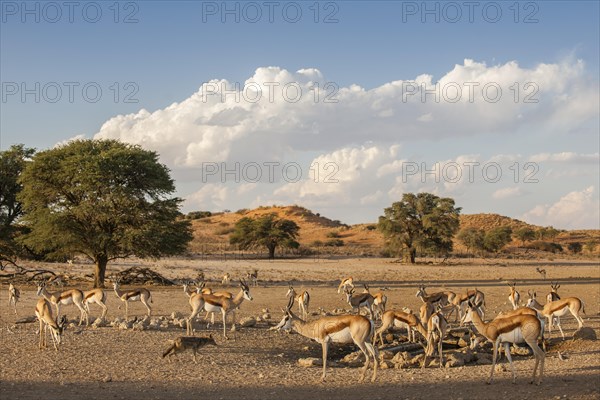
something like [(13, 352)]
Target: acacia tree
[(422, 219), (12, 163), (496, 238), (103, 199), (524, 234), (471, 238), (266, 231)]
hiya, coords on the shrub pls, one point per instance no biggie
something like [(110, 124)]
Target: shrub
[(545, 246), (198, 214), (333, 234), (334, 243)]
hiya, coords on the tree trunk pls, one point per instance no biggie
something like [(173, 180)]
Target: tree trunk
[(413, 255), (271, 248), (100, 271)]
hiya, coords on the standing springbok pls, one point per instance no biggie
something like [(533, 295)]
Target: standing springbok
[(72, 296), (442, 298), (43, 312), (303, 300), (212, 303), (553, 295), (204, 290), (379, 302), (461, 303), (346, 283), (542, 272), (514, 297), (360, 300), (515, 329), (335, 329), (226, 280), (95, 296), (437, 327), (14, 294), (142, 294), (557, 309), (253, 277), (410, 320)]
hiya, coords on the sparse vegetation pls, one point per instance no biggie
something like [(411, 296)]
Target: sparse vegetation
[(198, 214), (495, 239), (575, 247)]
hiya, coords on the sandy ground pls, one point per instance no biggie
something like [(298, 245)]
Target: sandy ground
[(107, 363)]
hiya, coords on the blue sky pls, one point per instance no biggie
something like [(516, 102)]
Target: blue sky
[(174, 47)]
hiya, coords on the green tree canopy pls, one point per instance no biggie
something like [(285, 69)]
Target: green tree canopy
[(575, 247), (471, 238), (524, 234), (496, 238), (12, 164), (422, 219), (266, 231), (103, 199)]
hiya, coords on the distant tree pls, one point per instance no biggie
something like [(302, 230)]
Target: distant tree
[(524, 234), (12, 164), (496, 238), (548, 232), (471, 238), (103, 199), (575, 247), (266, 231), (420, 220), (590, 246)]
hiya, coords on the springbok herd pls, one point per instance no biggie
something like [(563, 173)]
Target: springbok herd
[(523, 324)]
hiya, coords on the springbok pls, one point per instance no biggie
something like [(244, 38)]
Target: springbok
[(515, 329), (14, 294), (437, 328), (95, 296), (43, 312), (346, 283), (410, 320), (142, 294), (335, 329), (303, 300), (72, 296), (558, 309), (514, 297), (360, 300), (212, 303), (542, 272), (253, 277)]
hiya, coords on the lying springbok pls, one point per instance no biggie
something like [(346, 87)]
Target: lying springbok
[(392, 317), (335, 329), (515, 329), (72, 296), (43, 312), (558, 309), (303, 300), (514, 297)]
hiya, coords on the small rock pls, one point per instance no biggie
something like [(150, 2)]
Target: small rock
[(401, 357), (266, 316), (176, 314), (455, 360), (107, 379), (310, 362), (247, 322), (386, 355)]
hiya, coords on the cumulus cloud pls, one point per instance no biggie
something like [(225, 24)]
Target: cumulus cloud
[(566, 156), (277, 112), (575, 210)]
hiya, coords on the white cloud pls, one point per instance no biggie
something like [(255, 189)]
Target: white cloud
[(67, 141), (210, 197), (505, 193), (575, 210), (566, 156), (214, 125)]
